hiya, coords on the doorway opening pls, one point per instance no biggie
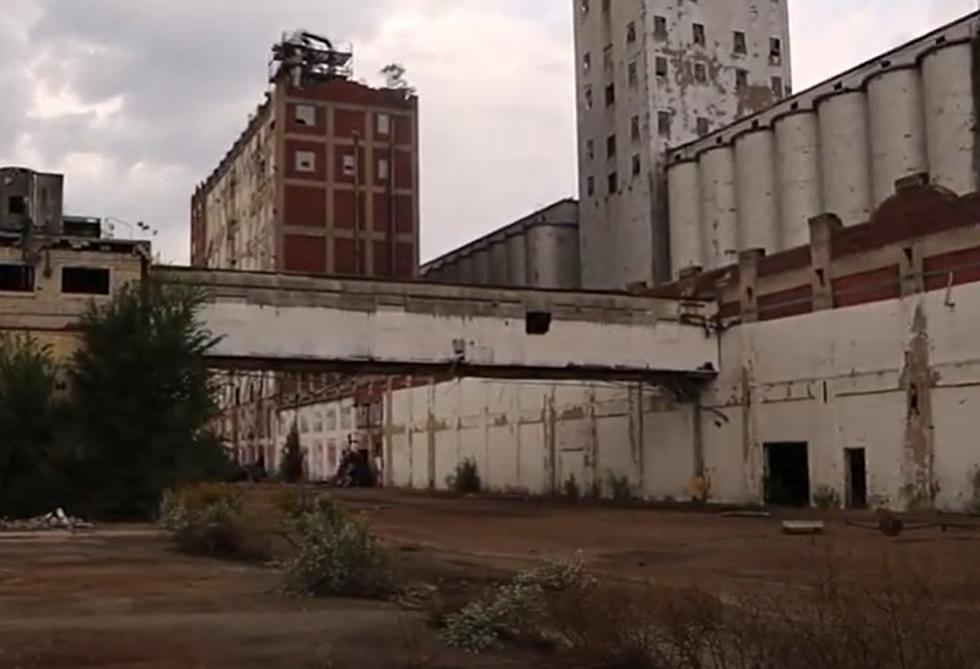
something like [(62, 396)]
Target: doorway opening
[(856, 472), (787, 481)]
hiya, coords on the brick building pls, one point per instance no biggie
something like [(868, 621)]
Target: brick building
[(325, 178)]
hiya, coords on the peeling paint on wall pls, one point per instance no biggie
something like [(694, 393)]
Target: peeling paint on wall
[(918, 380)]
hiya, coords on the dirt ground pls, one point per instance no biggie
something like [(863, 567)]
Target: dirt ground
[(118, 596)]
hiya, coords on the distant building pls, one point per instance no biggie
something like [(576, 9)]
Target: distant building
[(540, 250), (325, 178), (653, 74)]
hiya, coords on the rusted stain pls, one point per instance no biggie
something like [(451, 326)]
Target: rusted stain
[(918, 379)]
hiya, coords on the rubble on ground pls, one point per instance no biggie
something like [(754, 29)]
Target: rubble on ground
[(55, 520)]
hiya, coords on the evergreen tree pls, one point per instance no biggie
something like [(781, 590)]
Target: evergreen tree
[(144, 399), (291, 464)]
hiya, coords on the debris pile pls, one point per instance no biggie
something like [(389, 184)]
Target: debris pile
[(56, 520)]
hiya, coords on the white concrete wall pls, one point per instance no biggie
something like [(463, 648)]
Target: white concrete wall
[(834, 379)]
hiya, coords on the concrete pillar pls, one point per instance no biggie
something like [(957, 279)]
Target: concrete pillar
[(748, 276), (822, 230)]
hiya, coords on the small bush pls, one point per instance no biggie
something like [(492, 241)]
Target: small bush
[(207, 519), (825, 497), (509, 612), (466, 478), (335, 553), (570, 488), (619, 488)]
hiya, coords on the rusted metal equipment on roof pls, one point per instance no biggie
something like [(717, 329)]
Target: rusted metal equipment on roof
[(309, 58)]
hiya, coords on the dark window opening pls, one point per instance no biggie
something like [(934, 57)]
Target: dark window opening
[(698, 30), (17, 278), (611, 146), (537, 322), (704, 126), (661, 66), (610, 95), (590, 185), (856, 471), (85, 280), (775, 51), (777, 87), (739, 45), (741, 79), (701, 73), (635, 128), (663, 124), (631, 75), (636, 165), (613, 183), (660, 27), (787, 481), (16, 205), (630, 32)]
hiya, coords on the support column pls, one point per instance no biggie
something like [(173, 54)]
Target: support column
[(822, 230), (748, 274)]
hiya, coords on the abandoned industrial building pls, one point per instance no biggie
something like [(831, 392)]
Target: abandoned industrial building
[(779, 302)]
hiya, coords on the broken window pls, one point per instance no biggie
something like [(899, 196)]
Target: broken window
[(775, 51), (698, 34), (590, 185), (537, 322), (587, 61), (383, 124), (588, 97), (16, 205), (704, 126), (16, 278), (739, 45), (583, 7), (660, 27), (590, 149), (636, 165), (383, 169), (631, 75), (777, 86), (85, 280), (349, 165), (663, 123), (741, 79), (700, 73), (630, 32), (305, 115), (305, 161), (635, 129), (611, 146), (610, 95), (661, 66), (613, 183)]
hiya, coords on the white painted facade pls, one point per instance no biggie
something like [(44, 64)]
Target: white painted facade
[(850, 379), (838, 148), (654, 74)]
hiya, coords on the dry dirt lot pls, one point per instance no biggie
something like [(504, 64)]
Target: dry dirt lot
[(118, 596)]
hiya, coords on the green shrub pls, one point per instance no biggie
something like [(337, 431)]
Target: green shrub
[(207, 519), (619, 488), (513, 607), (825, 497), (570, 488), (335, 554), (466, 478)]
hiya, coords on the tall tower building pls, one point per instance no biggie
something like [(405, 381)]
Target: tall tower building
[(324, 180), (651, 75)]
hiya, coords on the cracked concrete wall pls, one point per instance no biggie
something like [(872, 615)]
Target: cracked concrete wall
[(900, 379)]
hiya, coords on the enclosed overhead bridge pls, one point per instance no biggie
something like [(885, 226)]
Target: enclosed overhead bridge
[(304, 323)]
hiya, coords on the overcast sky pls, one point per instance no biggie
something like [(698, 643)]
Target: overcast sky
[(137, 100)]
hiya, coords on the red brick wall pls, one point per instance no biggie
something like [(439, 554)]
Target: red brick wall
[(344, 259), (305, 253), (347, 122), (783, 303), (872, 286), (343, 210), (964, 265), (305, 205)]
